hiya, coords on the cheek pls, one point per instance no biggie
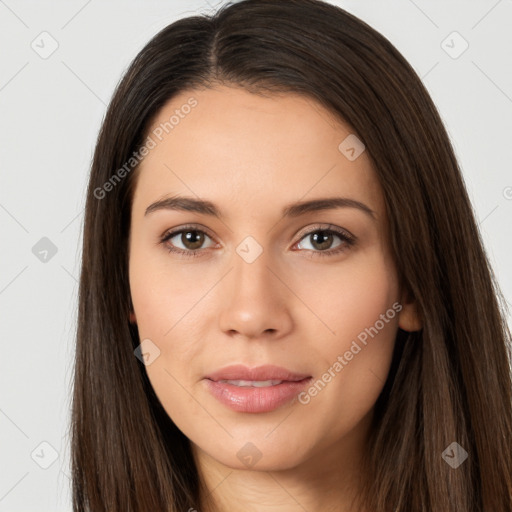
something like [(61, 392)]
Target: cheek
[(163, 302), (360, 307), (170, 327), (347, 297), (164, 296), (166, 303)]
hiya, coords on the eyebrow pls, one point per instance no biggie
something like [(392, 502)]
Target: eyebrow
[(204, 207)]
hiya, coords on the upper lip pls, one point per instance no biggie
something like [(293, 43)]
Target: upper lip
[(266, 372)]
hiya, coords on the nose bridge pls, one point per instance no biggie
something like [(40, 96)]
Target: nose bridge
[(251, 267), (253, 297)]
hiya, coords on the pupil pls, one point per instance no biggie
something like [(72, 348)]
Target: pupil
[(322, 240), (190, 239)]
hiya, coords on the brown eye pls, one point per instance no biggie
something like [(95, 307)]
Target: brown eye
[(185, 241), (192, 239), (321, 241)]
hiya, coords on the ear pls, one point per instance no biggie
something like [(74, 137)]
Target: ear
[(409, 318), (133, 319)]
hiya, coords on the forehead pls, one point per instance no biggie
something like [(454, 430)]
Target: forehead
[(249, 150)]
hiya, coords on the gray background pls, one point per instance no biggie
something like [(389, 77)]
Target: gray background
[(51, 110)]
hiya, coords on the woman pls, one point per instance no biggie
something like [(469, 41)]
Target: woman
[(284, 301)]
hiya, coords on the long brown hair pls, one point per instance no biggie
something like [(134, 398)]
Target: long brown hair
[(449, 382)]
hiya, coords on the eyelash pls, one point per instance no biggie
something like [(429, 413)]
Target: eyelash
[(349, 241)]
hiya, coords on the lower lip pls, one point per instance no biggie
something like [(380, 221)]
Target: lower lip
[(252, 399)]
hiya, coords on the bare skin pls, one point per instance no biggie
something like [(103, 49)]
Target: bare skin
[(292, 306)]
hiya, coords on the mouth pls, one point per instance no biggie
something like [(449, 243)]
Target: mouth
[(256, 396), (253, 383), (261, 376)]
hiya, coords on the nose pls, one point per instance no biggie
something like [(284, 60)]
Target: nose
[(255, 301)]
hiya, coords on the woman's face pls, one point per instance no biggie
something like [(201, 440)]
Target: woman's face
[(266, 286)]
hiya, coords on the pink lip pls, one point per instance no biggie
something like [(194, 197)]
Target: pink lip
[(267, 372), (252, 399)]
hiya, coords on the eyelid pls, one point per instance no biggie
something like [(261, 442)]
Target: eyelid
[(170, 233), (324, 227)]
